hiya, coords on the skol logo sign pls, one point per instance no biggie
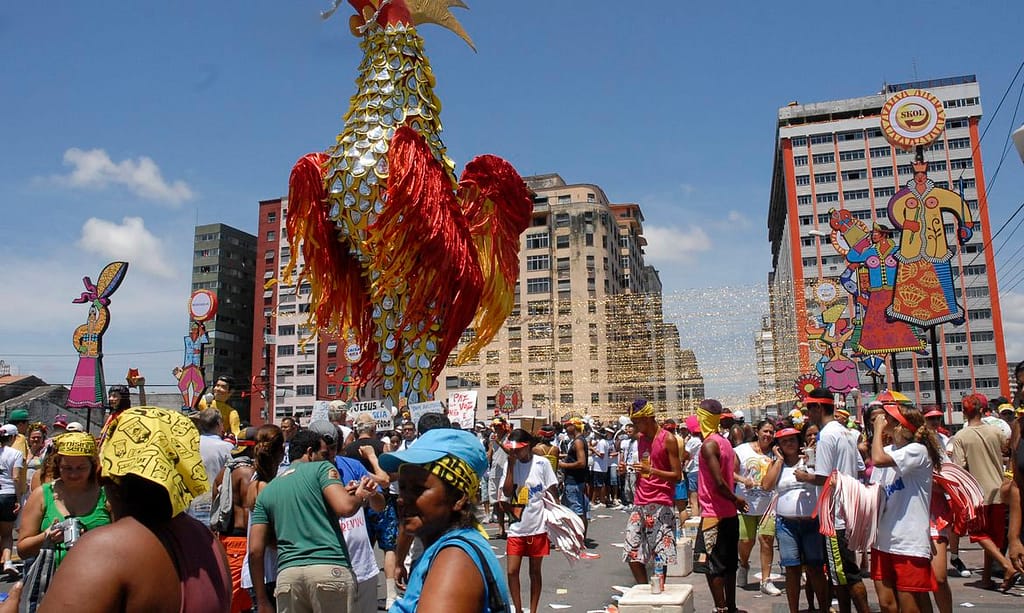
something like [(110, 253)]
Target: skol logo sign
[(913, 117)]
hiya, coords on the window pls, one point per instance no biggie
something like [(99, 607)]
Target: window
[(803, 180), (961, 164), (856, 154), (305, 370), (540, 376), (562, 242), (979, 314), (564, 199), (565, 377), (801, 200), (877, 132), (827, 197), (820, 139), (561, 219), (492, 380), (878, 152), (286, 330), (824, 158), (538, 262), (539, 331), (806, 220), (591, 197), (515, 356), (851, 135), (800, 160), (854, 175), (492, 357), (271, 236), (538, 307), (286, 350), (565, 398), (799, 141), (538, 285), (884, 192), (957, 123), (825, 177), (857, 194), (303, 390), (269, 255), (538, 241), (331, 368), (285, 371), (983, 336)]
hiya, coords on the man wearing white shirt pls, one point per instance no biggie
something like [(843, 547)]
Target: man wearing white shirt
[(836, 451), (628, 457)]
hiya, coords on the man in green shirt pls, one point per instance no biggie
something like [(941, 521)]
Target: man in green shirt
[(299, 510)]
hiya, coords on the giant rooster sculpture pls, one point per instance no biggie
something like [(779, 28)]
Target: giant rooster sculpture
[(401, 256)]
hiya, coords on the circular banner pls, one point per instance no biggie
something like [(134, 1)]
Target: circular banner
[(912, 118), (509, 399), (202, 306), (353, 353)]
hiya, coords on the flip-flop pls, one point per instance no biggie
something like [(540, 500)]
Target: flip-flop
[(1009, 582)]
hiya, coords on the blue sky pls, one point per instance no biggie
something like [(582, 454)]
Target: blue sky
[(126, 122)]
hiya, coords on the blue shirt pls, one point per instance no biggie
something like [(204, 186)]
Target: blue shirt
[(453, 538)]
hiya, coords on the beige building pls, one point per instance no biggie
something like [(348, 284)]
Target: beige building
[(587, 333)]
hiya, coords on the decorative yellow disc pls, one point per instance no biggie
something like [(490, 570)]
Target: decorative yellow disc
[(912, 118)]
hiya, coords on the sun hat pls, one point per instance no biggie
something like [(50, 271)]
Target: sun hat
[(934, 413), (160, 446), (76, 426), (75, 444), (783, 433), (18, 415), (10, 430), (1006, 407), (60, 421), (738, 415), (455, 456)]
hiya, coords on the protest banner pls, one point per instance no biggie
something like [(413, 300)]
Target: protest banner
[(378, 409), (462, 408), (419, 409)]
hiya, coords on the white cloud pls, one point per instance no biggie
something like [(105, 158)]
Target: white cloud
[(148, 318), (1012, 306), (94, 169), (130, 241), (668, 245), (738, 218)]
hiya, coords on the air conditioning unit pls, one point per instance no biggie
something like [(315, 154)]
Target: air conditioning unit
[(959, 347)]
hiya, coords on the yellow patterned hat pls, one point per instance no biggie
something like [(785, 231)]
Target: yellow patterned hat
[(73, 444), (159, 445)]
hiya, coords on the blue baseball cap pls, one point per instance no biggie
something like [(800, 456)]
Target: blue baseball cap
[(436, 444)]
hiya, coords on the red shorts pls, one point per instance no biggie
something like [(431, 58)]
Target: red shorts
[(995, 525), (536, 546), (907, 573)]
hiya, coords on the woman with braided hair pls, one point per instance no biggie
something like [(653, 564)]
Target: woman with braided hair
[(901, 558)]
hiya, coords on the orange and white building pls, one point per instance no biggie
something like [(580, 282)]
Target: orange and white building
[(833, 155)]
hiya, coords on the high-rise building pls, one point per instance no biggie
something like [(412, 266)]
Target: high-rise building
[(291, 368), (224, 262), (833, 155), (586, 334), (764, 358)]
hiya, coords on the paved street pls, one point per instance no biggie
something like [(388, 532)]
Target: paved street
[(589, 585)]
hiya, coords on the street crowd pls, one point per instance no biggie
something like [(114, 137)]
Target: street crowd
[(286, 518)]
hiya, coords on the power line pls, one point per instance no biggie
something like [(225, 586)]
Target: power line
[(74, 355)]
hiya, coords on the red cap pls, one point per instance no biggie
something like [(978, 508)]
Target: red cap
[(787, 432), (935, 413)]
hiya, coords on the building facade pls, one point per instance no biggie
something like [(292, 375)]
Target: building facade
[(224, 262), (587, 333), (291, 368), (833, 155)]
